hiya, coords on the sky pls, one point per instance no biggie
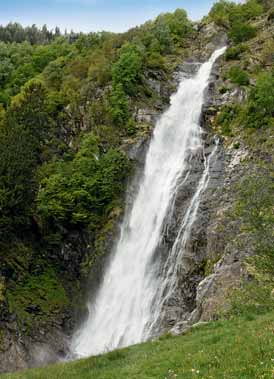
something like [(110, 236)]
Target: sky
[(94, 15)]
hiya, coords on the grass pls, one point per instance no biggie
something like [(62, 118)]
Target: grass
[(240, 348)]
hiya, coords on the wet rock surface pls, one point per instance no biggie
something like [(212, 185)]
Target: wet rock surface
[(211, 266)]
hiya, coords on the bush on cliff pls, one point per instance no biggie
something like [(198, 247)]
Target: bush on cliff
[(226, 118), (241, 32), (119, 106), (127, 71), (238, 76), (260, 107), (234, 52)]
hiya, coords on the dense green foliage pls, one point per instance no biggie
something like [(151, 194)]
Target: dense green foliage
[(238, 76), (77, 192), (119, 106), (48, 114), (127, 70), (20, 62), (241, 32), (257, 112), (236, 18), (226, 117), (177, 24), (234, 52), (198, 354), (22, 138), (260, 107), (228, 13)]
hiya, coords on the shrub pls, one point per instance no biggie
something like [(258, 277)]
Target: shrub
[(241, 32), (155, 61), (226, 117), (220, 12), (260, 108), (131, 127), (251, 9), (238, 76), (44, 290), (128, 69), (234, 53), (119, 106)]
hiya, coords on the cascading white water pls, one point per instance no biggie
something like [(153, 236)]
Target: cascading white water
[(174, 262), (123, 312)]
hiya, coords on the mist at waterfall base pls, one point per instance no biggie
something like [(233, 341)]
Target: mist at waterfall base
[(129, 301)]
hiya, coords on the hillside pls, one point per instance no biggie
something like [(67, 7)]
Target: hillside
[(76, 116), (201, 353)]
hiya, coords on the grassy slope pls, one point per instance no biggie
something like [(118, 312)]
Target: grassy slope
[(231, 349)]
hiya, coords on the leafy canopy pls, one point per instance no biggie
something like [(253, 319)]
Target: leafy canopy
[(80, 191)]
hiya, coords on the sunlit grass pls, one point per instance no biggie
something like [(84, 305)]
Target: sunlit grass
[(242, 348)]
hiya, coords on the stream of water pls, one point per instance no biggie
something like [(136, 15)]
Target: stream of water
[(129, 300)]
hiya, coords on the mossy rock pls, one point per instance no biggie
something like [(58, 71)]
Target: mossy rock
[(37, 299), (208, 265)]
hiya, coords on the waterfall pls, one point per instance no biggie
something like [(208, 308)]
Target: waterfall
[(132, 292), (174, 264)]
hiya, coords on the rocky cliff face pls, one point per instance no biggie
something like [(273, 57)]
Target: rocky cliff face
[(204, 276), (210, 267), (214, 263)]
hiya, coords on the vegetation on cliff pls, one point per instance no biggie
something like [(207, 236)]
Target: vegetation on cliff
[(67, 111), (247, 122)]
